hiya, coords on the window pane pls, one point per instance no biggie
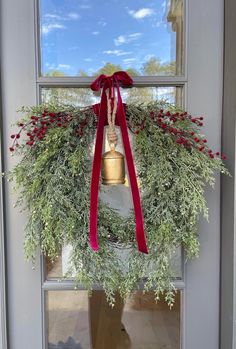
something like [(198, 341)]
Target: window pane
[(88, 37), (118, 197), (58, 268), (84, 96), (76, 321)]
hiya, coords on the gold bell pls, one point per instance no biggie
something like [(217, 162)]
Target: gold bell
[(113, 167)]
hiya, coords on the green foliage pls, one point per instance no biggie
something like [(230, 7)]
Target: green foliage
[(154, 67), (53, 181)]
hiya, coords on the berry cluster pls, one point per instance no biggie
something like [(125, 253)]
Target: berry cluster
[(170, 123), (38, 126)]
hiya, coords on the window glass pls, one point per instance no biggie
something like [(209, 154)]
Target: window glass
[(118, 197), (77, 321), (84, 96), (88, 37), (57, 269)]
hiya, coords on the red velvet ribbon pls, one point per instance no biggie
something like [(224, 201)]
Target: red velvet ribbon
[(109, 82)]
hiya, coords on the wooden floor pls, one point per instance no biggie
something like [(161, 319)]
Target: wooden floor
[(76, 321)]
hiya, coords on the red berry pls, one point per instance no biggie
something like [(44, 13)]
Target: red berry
[(21, 125), (200, 123), (217, 153), (137, 132), (174, 131), (59, 125), (192, 133), (204, 140), (223, 157), (201, 118), (211, 156), (18, 136), (11, 149), (12, 136)]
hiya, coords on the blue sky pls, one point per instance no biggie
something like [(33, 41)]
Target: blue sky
[(86, 34)]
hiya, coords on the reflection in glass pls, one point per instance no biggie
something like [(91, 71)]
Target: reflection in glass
[(84, 38), (137, 95), (76, 321)]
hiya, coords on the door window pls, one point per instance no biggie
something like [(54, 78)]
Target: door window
[(82, 38), (77, 40)]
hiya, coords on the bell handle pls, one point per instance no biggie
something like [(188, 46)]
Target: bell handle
[(112, 146)]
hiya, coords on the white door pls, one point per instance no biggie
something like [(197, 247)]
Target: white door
[(45, 313)]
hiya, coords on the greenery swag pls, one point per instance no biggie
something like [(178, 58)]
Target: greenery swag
[(173, 165)]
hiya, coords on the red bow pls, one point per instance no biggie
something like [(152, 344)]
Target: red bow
[(109, 82)]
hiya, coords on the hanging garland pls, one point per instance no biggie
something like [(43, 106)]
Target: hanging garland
[(173, 163)]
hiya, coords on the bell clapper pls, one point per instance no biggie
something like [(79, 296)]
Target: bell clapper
[(113, 164)]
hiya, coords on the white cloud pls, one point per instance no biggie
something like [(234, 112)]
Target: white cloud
[(64, 66), (120, 40), (47, 28), (158, 24), (142, 13), (88, 59), (53, 16), (73, 15), (102, 23), (129, 60), (125, 39), (147, 57), (58, 66), (117, 52), (96, 33), (85, 7), (66, 17)]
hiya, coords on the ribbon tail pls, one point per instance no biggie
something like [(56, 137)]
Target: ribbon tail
[(96, 170), (140, 234)]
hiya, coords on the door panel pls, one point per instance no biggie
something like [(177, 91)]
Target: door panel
[(203, 94), (18, 88), (204, 97)]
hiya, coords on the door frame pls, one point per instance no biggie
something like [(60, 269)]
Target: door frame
[(24, 43), (228, 205), (3, 290)]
